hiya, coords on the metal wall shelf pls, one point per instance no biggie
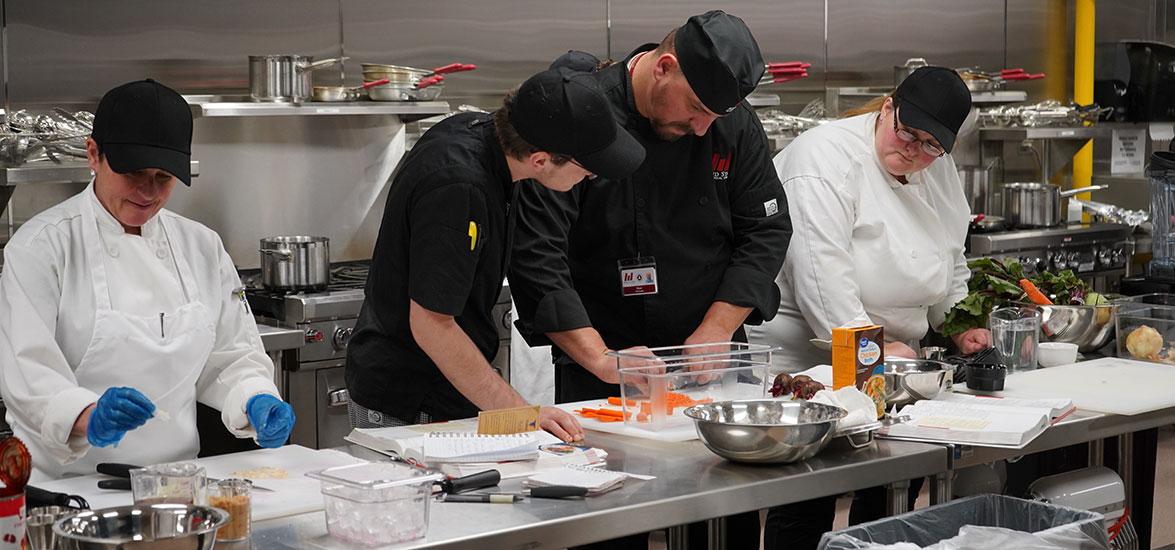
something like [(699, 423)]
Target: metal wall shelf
[(240, 106), (1045, 132), (49, 172)]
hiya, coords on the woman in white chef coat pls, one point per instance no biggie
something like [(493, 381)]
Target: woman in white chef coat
[(879, 223), (117, 316)]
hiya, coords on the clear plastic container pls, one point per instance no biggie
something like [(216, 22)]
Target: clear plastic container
[(172, 483), (1161, 176), (376, 503), (656, 387), (1144, 328)]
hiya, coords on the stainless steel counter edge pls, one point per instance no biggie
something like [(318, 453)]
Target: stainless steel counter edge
[(692, 485), (276, 338)]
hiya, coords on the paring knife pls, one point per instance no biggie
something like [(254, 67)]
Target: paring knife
[(124, 471)]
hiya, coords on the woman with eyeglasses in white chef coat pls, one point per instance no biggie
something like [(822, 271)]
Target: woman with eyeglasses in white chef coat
[(879, 224)]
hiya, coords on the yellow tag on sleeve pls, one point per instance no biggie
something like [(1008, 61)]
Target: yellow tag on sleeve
[(472, 235)]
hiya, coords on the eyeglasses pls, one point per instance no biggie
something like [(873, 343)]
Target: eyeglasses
[(590, 176), (909, 137)]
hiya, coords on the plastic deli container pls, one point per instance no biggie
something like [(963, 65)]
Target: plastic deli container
[(658, 384), (1144, 327), (376, 503)]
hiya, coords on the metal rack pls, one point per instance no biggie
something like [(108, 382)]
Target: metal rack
[(49, 172), (241, 106)]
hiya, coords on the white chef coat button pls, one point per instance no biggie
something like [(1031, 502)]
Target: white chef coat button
[(160, 253), (113, 252), (913, 253)]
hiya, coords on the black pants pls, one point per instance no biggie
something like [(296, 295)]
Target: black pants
[(574, 383), (799, 526)]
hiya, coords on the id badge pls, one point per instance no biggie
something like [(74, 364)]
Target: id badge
[(638, 276)]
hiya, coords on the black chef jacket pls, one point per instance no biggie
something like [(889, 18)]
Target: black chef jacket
[(709, 209), (442, 243)]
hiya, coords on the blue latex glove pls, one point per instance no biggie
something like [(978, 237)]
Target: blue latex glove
[(118, 411), (272, 418)]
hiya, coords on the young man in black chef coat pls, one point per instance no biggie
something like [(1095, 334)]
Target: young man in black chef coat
[(705, 215), (424, 340)]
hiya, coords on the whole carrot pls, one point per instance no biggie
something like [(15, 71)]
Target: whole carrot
[(1034, 294)]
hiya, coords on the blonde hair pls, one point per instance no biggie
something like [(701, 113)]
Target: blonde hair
[(872, 106)]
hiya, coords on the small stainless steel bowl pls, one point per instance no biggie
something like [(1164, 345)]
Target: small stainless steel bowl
[(765, 431), (910, 380), (172, 526)]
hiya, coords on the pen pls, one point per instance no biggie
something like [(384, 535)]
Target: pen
[(491, 498)]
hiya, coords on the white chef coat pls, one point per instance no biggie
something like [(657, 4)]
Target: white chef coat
[(47, 316), (865, 248)]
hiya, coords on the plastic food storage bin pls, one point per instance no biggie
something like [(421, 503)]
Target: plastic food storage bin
[(376, 503), (657, 385), (1144, 327), (983, 522)]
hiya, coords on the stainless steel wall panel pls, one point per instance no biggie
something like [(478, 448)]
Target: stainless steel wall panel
[(791, 31), (866, 39), (508, 40), (72, 52), (1032, 35)]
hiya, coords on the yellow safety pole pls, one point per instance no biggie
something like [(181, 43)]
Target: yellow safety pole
[(1083, 40)]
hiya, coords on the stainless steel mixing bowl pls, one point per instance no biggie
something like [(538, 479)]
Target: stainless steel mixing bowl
[(155, 526), (765, 430), (909, 380), (1090, 327)]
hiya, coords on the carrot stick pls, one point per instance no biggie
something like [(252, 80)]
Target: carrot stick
[(1034, 294)]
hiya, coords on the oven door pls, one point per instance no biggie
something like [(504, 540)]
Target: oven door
[(318, 393)]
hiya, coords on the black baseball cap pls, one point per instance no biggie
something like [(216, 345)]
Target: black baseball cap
[(577, 61), (563, 111), (720, 59), (934, 100), (145, 124)]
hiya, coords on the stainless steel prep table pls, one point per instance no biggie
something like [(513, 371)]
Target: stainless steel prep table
[(692, 485), (1079, 427)]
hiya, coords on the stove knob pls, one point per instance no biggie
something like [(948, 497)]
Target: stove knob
[(1074, 261), (339, 398), (313, 335), (1104, 257), (341, 337), (1059, 261)]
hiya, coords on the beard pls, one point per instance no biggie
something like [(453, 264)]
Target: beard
[(665, 129)]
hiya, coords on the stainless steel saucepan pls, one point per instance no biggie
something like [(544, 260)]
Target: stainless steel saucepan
[(295, 262), (1034, 204), (274, 78)]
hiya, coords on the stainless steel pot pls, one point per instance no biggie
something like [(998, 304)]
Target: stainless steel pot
[(900, 72), (1037, 204), (274, 78), (295, 263)]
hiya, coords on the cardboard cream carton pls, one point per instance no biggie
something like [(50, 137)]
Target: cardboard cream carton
[(858, 360)]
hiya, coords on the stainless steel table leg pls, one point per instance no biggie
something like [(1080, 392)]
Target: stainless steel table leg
[(941, 487), (677, 537), (1126, 466), (899, 500), (716, 530), (1096, 450)]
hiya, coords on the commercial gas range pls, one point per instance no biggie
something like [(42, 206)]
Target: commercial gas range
[(312, 376), (1098, 253)]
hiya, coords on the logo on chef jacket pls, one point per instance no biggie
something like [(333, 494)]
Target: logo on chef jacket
[(721, 165)]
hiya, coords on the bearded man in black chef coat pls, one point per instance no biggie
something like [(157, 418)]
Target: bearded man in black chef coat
[(705, 216)]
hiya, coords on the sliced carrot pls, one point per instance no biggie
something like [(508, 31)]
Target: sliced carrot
[(1034, 294), (618, 402)]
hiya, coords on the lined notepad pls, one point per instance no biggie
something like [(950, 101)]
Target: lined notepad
[(472, 447), (595, 480)]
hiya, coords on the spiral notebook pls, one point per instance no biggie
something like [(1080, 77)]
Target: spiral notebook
[(595, 480), (473, 447)]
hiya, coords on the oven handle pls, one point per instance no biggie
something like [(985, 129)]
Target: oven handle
[(338, 398)]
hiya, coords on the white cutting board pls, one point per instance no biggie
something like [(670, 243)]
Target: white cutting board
[(1106, 385), (297, 494), (674, 434)]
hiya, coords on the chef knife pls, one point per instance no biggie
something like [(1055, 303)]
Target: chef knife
[(124, 471)]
